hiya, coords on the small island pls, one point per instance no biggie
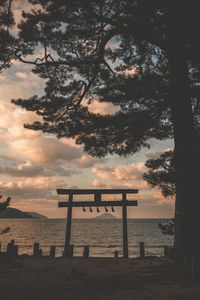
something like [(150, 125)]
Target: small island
[(106, 216), (36, 215)]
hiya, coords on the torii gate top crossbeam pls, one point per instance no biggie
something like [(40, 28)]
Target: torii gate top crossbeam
[(95, 191), (97, 197)]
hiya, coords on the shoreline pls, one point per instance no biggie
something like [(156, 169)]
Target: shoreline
[(100, 278)]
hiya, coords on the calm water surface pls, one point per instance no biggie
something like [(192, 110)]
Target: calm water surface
[(103, 236)]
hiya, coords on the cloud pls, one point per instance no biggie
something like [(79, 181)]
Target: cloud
[(6, 157), (156, 154), (96, 183), (123, 172), (139, 184), (12, 121), (153, 154), (27, 153), (18, 84), (22, 75), (86, 161), (102, 108), (28, 189), (45, 150), (30, 169), (166, 202), (23, 170), (163, 201), (34, 146)]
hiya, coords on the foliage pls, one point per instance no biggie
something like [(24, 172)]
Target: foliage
[(161, 173), (3, 206), (7, 41), (97, 45), (10, 45), (169, 228)]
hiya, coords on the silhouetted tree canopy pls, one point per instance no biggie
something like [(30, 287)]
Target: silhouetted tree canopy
[(4, 204), (7, 41), (140, 56), (168, 228), (94, 44), (10, 46), (161, 173)]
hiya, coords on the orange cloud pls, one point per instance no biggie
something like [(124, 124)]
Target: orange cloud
[(97, 184), (102, 108), (156, 154), (123, 172)]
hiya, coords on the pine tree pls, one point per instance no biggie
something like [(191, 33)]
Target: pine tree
[(161, 174), (7, 41), (3, 205), (10, 45), (141, 56)]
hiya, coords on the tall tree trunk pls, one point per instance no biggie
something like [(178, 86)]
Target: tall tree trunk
[(187, 159)]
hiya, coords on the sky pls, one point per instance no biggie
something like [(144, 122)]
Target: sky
[(34, 165)]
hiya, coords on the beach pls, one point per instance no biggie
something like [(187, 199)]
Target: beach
[(46, 278)]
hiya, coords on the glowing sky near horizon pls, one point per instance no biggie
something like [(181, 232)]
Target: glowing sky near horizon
[(33, 165)]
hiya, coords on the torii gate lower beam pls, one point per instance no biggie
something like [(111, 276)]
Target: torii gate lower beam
[(97, 202)]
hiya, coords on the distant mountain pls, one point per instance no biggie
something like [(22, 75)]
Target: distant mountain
[(14, 213), (36, 215), (106, 216)]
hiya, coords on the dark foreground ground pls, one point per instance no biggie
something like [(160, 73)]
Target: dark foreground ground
[(95, 278)]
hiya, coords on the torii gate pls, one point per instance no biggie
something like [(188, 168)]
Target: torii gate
[(96, 203)]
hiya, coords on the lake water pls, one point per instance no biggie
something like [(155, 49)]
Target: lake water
[(103, 236)]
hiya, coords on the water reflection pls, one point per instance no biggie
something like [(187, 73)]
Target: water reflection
[(103, 236)]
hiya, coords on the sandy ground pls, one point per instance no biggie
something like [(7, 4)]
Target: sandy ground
[(95, 278)]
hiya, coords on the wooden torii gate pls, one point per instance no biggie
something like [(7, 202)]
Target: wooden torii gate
[(96, 203)]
